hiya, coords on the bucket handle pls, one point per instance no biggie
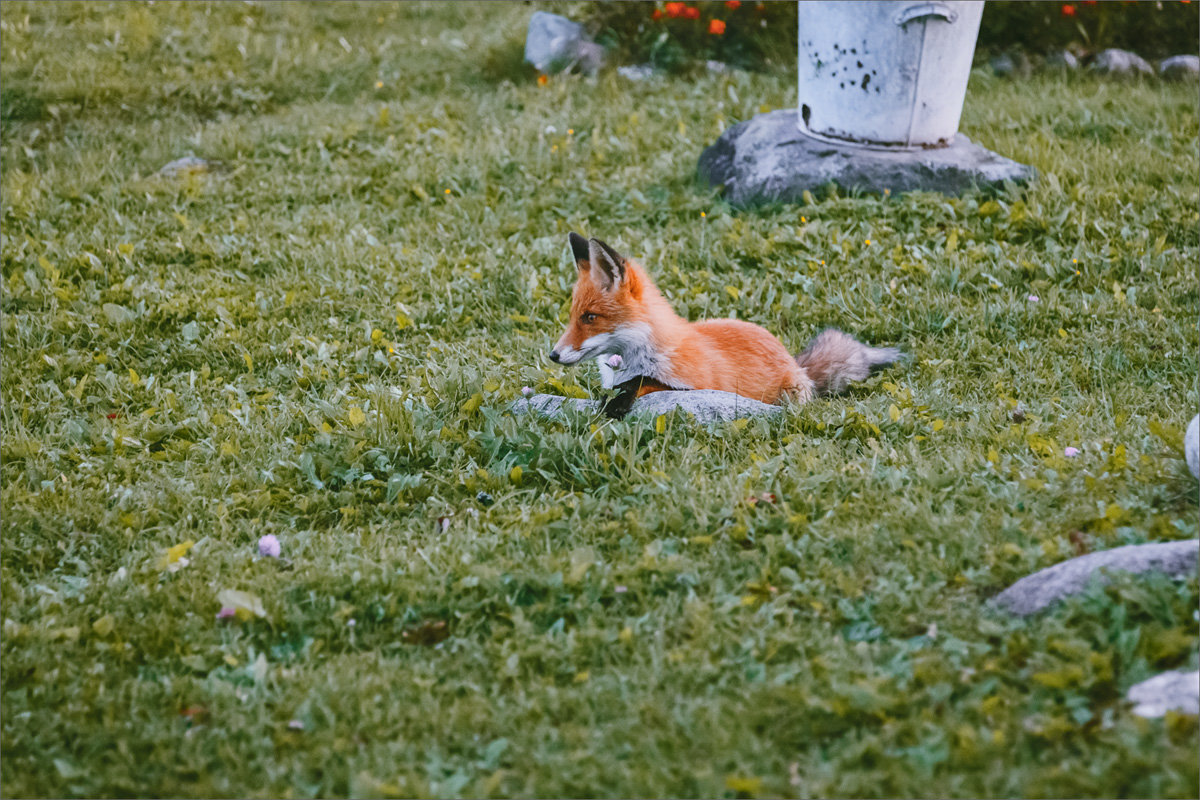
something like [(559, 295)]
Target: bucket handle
[(922, 10)]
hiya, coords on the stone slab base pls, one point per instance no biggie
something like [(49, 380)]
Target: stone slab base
[(706, 405), (768, 159)]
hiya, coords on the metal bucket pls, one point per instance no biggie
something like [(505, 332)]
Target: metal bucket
[(889, 75)]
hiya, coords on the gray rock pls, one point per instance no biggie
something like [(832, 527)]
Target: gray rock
[(1014, 65), (188, 165), (552, 405), (1191, 446), (706, 405), (1046, 587), (1177, 68), (1171, 691), (1062, 59), (1121, 63), (554, 43), (768, 159), (1002, 64), (638, 72)]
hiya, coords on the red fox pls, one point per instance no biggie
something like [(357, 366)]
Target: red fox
[(619, 318)]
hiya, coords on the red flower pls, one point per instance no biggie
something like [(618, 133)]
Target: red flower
[(716, 27), (732, 5), (675, 10), (1068, 10), (657, 15), (691, 12)]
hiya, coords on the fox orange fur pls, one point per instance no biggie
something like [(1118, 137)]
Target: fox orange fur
[(619, 318)]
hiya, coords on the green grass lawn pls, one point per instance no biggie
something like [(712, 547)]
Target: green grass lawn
[(320, 339)]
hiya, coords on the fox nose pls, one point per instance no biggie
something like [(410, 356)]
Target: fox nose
[(554, 356)]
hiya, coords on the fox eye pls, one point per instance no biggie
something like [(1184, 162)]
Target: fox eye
[(587, 318)]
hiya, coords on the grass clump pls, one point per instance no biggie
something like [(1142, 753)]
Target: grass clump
[(321, 339)]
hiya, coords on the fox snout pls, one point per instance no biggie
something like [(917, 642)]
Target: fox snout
[(564, 353)]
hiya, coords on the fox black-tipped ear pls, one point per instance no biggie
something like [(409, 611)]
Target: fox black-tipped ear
[(610, 263), (579, 247)]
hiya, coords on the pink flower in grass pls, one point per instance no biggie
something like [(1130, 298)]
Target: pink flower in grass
[(269, 546)]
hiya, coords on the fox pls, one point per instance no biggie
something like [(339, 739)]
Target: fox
[(621, 319)]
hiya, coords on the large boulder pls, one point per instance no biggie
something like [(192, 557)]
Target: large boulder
[(1171, 691), (768, 159), (1046, 587), (706, 405), (554, 43)]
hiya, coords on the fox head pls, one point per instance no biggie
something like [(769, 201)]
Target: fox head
[(606, 304)]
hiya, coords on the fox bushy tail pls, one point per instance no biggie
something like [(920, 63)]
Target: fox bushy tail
[(834, 360)]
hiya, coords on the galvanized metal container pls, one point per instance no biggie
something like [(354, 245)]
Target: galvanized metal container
[(885, 74)]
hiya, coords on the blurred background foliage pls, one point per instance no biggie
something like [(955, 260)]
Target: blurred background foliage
[(677, 36)]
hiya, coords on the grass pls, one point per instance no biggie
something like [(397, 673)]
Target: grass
[(320, 339)]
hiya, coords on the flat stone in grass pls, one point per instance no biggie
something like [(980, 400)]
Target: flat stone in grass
[(1171, 691), (188, 165), (706, 405), (1046, 587), (768, 159), (1191, 446), (552, 405)]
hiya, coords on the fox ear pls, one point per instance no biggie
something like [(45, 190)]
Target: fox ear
[(609, 263), (579, 248)]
